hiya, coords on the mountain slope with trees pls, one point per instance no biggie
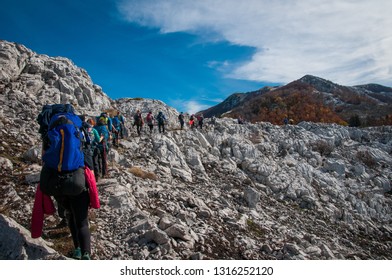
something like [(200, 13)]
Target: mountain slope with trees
[(313, 99)]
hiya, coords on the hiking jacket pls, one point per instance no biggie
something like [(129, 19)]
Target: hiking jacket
[(116, 123), (96, 137), (181, 118), (121, 118), (103, 130), (150, 118), (92, 188), (138, 119), (161, 118), (43, 204)]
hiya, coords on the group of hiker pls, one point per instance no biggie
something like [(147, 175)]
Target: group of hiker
[(74, 155), (99, 134), (160, 120), (150, 119), (104, 131), (194, 120)]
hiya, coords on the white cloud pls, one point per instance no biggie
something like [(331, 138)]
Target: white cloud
[(193, 107), (190, 106), (346, 41)]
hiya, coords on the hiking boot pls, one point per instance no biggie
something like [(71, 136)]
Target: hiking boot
[(77, 254), (86, 256)]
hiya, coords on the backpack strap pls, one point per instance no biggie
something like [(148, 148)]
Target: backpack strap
[(61, 151)]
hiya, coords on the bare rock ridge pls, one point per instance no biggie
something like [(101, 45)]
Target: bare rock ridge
[(229, 191)]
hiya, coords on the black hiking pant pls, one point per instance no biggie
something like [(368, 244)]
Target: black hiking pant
[(115, 138), (139, 129), (96, 162), (88, 156), (161, 127), (102, 161), (121, 131), (77, 217)]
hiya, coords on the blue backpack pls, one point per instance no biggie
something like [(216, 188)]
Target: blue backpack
[(48, 111), (116, 122), (161, 118), (65, 145)]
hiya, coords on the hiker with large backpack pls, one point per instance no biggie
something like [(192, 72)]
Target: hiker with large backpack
[(181, 119), (103, 146), (109, 126), (121, 118), (161, 122), (63, 172), (200, 120), (138, 121), (192, 121), (86, 139), (116, 130), (150, 120), (95, 139)]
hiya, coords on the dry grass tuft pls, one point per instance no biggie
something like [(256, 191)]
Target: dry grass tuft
[(366, 158), (137, 171), (323, 147)]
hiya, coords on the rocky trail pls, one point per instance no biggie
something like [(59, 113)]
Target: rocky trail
[(229, 191)]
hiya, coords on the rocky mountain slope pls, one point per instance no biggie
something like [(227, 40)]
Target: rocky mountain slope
[(311, 99), (229, 191)]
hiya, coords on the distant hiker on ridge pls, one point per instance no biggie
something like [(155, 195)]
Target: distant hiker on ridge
[(116, 130), (96, 139), (150, 121), (122, 124), (161, 122), (200, 120), (192, 121), (181, 119), (103, 146), (138, 121)]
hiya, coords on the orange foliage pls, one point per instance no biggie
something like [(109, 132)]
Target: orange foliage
[(299, 106)]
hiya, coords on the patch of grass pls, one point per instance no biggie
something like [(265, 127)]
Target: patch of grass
[(323, 147), (138, 172), (366, 158), (255, 138), (61, 239), (93, 228), (111, 112), (255, 229), (5, 210)]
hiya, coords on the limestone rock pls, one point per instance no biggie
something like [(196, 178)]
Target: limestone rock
[(227, 191)]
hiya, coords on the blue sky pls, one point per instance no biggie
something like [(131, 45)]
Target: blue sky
[(193, 54)]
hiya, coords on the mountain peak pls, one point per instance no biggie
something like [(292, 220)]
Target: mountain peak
[(319, 83)]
